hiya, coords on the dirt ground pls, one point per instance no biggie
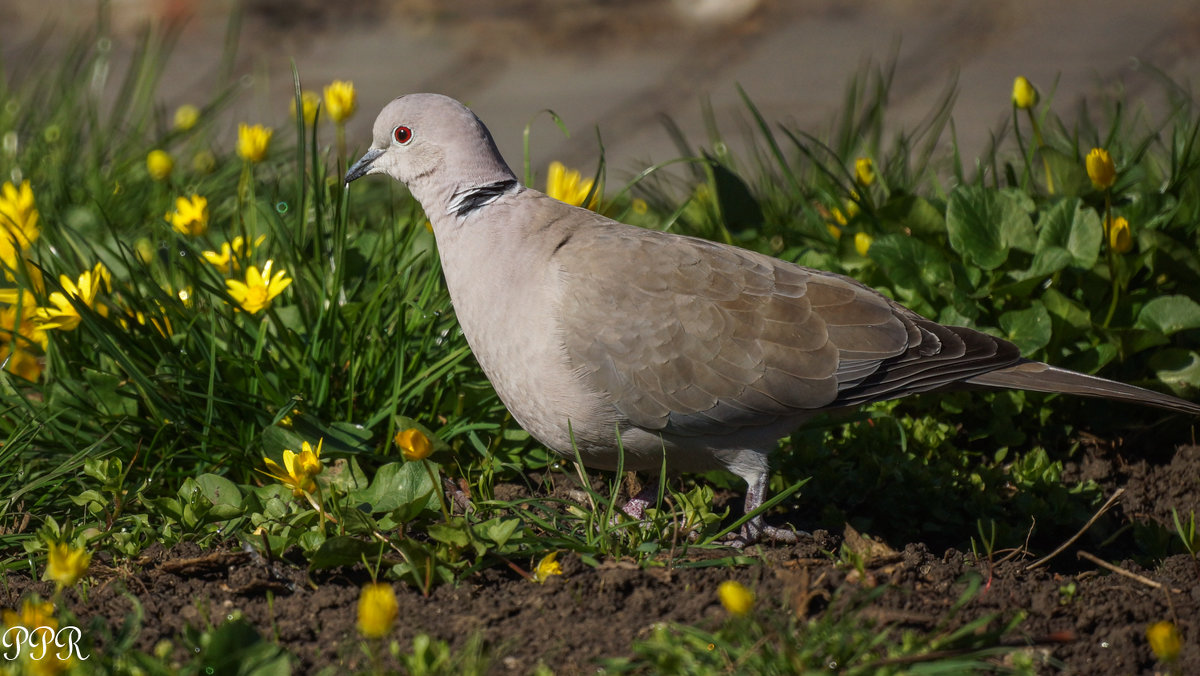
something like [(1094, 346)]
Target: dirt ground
[(1080, 616)]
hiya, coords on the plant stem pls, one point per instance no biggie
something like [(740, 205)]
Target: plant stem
[(1037, 137)]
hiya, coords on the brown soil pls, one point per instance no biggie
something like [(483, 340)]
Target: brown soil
[(589, 613)]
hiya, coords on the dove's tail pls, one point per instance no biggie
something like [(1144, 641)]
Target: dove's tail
[(1039, 377)]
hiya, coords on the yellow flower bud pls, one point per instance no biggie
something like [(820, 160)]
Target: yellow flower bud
[(377, 610), (1119, 236), (1100, 169), (1024, 95), (1165, 640), (413, 444), (66, 564), (159, 165), (864, 171), (253, 142), (186, 117), (340, 100), (735, 597), (862, 243), (309, 101)]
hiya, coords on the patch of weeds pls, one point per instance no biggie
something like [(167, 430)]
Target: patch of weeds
[(1186, 530), (844, 638)]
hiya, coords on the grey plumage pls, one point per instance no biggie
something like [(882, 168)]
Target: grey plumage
[(588, 328)]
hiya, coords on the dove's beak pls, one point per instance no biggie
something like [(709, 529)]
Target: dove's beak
[(363, 166)]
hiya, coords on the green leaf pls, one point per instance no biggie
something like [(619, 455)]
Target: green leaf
[(914, 213), (219, 490), (498, 530), (1169, 314), (1074, 314), (275, 439), (342, 550), (222, 493), (1048, 261), (1075, 229), (983, 224), (452, 534), (739, 210), (235, 648), (1030, 328), (399, 485), (1177, 367), (89, 497), (918, 272), (108, 396), (1070, 177)]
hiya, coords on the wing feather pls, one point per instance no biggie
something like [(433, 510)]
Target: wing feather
[(692, 337)]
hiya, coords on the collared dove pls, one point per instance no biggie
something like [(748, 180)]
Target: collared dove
[(589, 328)]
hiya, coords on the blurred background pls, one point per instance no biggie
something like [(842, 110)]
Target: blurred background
[(620, 65)]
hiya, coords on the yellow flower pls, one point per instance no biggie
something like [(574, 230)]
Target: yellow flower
[(862, 243), (19, 335), (42, 660), (298, 469), (190, 216), (735, 597), (33, 614), (566, 185), (1024, 95), (340, 100), (159, 165), (1119, 236), (17, 319), (18, 222), (377, 609), (186, 117), (414, 445), (65, 315), (1100, 169), (253, 142), (547, 567), (1165, 640), (864, 171), (309, 100), (67, 564), (834, 231), (231, 254), (21, 363), (259, 288), (639, 206)]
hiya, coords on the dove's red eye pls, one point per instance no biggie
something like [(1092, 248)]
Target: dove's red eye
[(402, 134)]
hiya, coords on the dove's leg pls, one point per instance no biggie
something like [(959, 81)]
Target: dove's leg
[(753, 468)]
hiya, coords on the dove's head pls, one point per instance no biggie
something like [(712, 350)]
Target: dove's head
[(434, 145)]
